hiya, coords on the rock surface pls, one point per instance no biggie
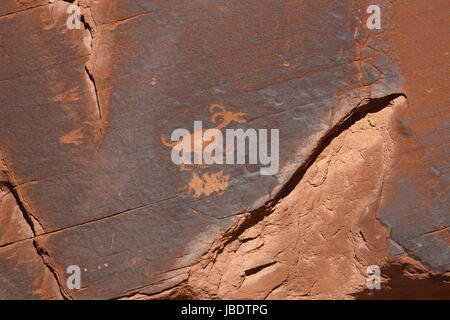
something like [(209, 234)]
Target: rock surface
[(86, 176)]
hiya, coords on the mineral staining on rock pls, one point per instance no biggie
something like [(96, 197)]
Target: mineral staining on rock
[(86, 180)]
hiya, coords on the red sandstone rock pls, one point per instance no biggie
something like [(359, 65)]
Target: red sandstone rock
[(86, 176)]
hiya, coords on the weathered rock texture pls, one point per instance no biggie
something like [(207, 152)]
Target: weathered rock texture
[(86, 176), (320, 239)]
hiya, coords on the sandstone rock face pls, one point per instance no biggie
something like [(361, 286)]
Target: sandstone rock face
[(87, 178), (326, 226)]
